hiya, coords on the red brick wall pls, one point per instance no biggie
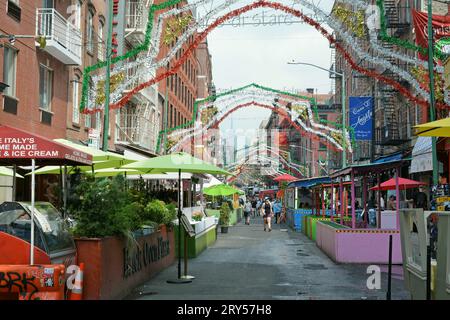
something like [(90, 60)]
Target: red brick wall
[(27, 76), (184, 108)]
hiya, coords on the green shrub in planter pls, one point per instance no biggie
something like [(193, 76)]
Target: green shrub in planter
[(224, 219), (104, 209), (157, 211)]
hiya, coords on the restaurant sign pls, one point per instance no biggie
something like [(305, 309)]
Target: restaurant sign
[(143, 256), (361, 115), (18, 144)]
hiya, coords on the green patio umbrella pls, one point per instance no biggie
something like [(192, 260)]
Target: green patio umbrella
[(97, 155), (6, 172), (96, 165), (176, 162), (112, 172), (220, 190)]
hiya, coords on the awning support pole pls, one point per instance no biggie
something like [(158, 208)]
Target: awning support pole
[(353, 201), (341, 200), (397, 203), (33, 184)]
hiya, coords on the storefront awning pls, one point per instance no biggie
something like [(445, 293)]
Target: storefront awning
[(422, 158), (307, 183), (18, 147), (390, 158)]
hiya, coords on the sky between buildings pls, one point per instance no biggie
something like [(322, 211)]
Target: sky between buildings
[(258, 53)]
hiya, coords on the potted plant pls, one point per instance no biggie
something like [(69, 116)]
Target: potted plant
[(197, 216), (224, 220)]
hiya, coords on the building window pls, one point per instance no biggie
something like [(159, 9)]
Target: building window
[(9, 70), (45, 87), (75, 101), (100, 42), (78, 15), (87, 121), (98, 120), (14, 9), (90, 32)]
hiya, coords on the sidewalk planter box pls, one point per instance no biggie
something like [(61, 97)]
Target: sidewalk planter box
[(311, 225), (110, 274), (196, 245), (236, 216), (345, 245), (205, 237), (233, 217)]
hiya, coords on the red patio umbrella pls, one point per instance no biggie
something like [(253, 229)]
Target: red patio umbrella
[(402, 184), (285, 177)]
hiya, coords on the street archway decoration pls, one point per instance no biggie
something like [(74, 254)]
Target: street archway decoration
[(300, 111), (146, 54)]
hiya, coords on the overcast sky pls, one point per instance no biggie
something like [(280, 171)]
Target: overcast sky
[(259, 53)]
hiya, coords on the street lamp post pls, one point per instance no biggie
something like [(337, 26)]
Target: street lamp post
[(344, 110)]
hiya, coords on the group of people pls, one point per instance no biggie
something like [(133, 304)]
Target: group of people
[(267, 209)]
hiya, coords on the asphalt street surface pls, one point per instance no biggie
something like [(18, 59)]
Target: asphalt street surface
[(250, 264)]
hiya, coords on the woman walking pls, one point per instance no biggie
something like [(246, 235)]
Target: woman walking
[(247, 211), (267, 212)]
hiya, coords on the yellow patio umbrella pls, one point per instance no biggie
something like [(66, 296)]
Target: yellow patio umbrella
[(438, 128)]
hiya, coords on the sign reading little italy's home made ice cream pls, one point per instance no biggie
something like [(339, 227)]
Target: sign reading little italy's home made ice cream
[(18, 144)]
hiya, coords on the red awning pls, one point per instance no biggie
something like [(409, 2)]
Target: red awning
[(19, 147), (285, 177), (402, 184)]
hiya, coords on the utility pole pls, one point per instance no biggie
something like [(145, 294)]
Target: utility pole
[(344, 120), (108, 76), (432, 93)]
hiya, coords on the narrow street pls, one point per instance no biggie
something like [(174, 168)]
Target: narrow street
[(248, 263)]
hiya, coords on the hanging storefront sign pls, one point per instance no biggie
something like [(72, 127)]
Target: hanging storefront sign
[(361, 114), (441, 30), (422, 159)]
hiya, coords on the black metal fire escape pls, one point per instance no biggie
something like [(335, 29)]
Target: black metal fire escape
[(389, 133)]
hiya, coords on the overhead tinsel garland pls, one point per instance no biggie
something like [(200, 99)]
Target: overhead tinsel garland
[(400, 42), (296, 13), (301, 128), (149, 58), (354, 21), (373, 40), (228, 93), (364, 55), (175, 28), (258, 96)]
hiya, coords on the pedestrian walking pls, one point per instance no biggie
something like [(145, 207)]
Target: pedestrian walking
[(277, 210), (247, 211), (267, 212), (258, 206), (254, 203)]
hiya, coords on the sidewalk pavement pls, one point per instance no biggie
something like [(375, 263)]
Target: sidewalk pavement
[(250, 264)]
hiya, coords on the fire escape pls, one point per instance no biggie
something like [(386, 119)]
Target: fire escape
[(138, 123), (334, 161), (390, 134)]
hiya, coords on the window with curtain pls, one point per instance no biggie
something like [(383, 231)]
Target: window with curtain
[(100, 53), (9, 70), (75, 100), (98, 120), (45, 87), (90, 32)]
